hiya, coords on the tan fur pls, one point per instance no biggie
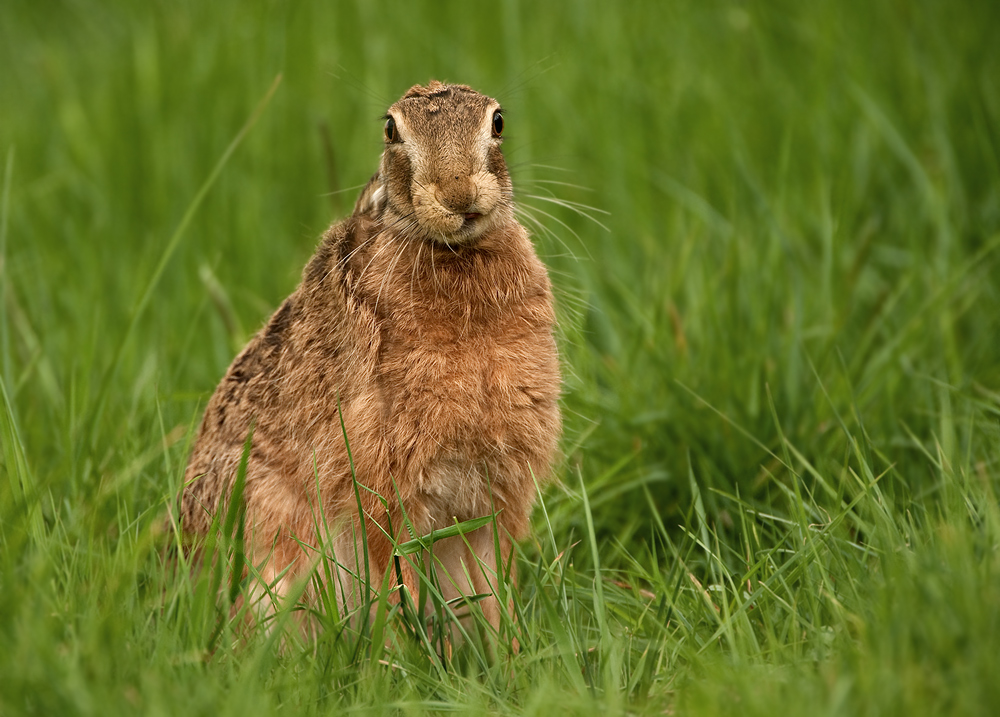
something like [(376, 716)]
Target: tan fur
[(432, 327)]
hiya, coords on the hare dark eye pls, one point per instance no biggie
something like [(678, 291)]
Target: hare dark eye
[(497, 124), (391, 135)]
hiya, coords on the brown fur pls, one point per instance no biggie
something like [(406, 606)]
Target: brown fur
[(428, 318)]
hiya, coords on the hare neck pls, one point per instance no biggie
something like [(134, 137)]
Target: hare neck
[(422, 280)]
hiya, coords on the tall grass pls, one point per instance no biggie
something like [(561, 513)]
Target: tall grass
[(780, 481)]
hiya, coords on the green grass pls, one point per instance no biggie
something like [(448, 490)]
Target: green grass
[(782, 451)]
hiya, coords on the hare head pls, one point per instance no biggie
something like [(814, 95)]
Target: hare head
[(442, 175)]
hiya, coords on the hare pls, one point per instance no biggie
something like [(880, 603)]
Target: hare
[(424, 325)]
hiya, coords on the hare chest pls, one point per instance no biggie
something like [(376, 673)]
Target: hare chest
[(464, 417)]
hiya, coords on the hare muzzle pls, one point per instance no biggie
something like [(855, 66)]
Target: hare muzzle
[(454, 208)]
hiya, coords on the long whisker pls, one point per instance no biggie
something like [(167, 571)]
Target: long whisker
[(540, 229), (345, 189), (523, 210), (556, 182), (389, 240), (434, 273), (535, 165), (368, 241), (403, 245), (413, 273), (576, 207)]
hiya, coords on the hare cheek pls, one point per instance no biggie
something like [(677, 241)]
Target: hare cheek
[(487, 192)]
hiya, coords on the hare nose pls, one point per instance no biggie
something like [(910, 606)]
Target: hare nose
[(457, 194)]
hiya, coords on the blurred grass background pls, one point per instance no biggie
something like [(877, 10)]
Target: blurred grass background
[(793, 313)]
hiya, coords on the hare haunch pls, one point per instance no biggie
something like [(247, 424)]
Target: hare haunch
[(425, 322)]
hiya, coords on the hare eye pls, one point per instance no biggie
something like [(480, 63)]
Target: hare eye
[(497, 124), (391, 135)]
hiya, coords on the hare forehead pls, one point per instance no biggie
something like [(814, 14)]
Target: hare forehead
[(443, 126), (449, 106)]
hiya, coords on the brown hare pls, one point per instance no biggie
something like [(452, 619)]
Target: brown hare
[(424, 322)]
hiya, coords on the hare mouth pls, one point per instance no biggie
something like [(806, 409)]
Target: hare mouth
[(454, 228), (468, 230), (473, 223)]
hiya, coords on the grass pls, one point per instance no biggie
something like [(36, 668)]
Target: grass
[(782, 367)]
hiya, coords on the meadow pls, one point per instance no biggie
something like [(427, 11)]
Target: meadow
[(774, 231)]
